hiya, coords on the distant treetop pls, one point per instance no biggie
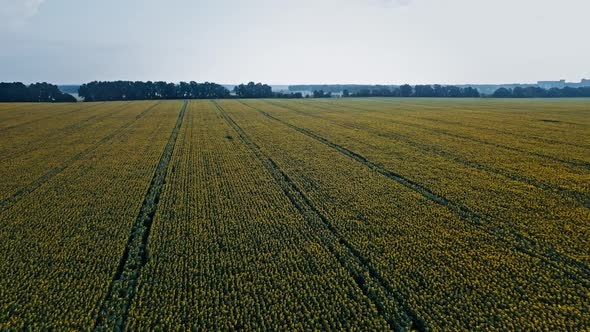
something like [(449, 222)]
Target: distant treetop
[(38, 92)]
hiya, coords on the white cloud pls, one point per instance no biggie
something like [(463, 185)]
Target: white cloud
[(16, 11)]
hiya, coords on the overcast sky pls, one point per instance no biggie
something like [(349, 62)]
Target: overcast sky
[(295, 41)]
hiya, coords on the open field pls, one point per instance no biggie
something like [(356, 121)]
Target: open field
[(374, 214)]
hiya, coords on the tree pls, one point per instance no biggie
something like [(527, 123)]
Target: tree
[(126, 90), (536, 92), (470, 92), (253, 90), (518, 92), (502, 93), (423, 91), (37, 92), (405, 90), (454, 91)]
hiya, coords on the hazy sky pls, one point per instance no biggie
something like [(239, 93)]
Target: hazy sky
[(295, 41)]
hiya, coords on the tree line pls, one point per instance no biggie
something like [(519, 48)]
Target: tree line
[(37, 92), (450, 91), (138, 90), (536, 92), (128, 90), (406, 90), (259, 90), (336, 88)]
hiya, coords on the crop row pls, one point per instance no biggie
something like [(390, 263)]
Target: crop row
[(561, 169), (61, 243), (26, 165), (471, 155), (452, 274), (530, 122), (365, 214), (16, 116), (541, 218), (229, 250)]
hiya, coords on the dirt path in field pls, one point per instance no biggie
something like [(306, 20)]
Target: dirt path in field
[(116, 305), (573, 162), (520, 242), (376, 288), (562, 191)]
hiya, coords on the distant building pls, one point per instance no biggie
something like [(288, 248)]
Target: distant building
[(551, 84), (562, 84)]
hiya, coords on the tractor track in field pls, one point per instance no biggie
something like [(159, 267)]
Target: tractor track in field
[(520, 242), (573, 163), (504, 133), (486, 111), (10, 201), (49, 116), (114, 310), (16, 109), (479, 111), (582, 198), (375, 287), (62, 132)]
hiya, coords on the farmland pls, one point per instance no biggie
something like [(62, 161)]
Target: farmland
[(338, 214)]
